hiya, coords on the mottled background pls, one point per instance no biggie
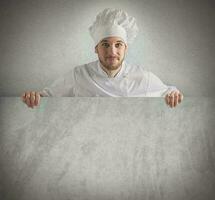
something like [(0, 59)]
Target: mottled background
[(107, 148), (40, 40)]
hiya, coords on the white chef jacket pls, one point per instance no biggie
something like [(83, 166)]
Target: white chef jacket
[(90, 80)]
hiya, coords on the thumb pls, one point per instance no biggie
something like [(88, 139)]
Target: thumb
[(23, 97)]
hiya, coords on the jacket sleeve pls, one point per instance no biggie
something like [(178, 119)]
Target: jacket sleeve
[(156, 88), (62, 87)]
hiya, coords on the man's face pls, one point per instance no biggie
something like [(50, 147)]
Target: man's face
[(111, 52)]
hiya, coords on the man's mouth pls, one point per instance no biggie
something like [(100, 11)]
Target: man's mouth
[(112, 58)]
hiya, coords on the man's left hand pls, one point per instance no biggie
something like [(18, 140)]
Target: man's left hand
[(174, 98)]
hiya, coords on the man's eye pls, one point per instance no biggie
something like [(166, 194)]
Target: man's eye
[(105, 44), (118, 44)]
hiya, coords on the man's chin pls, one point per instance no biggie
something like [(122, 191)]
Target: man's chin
[(113, 67)]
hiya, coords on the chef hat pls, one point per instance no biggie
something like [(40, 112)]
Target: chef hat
[(113, 22)]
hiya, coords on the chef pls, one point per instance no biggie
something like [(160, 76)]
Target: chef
[(109, 76)]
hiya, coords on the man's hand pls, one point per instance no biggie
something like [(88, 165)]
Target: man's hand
[(174, 98), (31, 98)]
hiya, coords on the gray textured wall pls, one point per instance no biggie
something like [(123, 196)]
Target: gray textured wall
[(41, 39), (107, 148)]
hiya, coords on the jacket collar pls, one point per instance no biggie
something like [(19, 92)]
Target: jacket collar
[(105, 75)]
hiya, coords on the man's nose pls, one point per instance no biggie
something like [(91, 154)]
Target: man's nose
[(113, 50)]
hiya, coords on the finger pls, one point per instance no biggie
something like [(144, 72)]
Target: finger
[(172, 93), (37, 99), (23, 97), (32, 99), (28, 102), (27, 98), (176, 99), (167, 99), (180, 97), (172, 100)]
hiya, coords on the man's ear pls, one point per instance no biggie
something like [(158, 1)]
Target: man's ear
[(96, 49), (126, 48)]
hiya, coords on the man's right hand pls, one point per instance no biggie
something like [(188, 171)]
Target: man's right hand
[(31, 98)]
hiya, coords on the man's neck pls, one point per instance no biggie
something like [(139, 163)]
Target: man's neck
[(111, 73)]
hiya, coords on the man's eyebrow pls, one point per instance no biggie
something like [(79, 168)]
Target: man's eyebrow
[(104, 41), (116, 41)]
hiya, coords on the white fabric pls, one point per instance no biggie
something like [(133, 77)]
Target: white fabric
[(113, 22), (110, 31), (91, 80)]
